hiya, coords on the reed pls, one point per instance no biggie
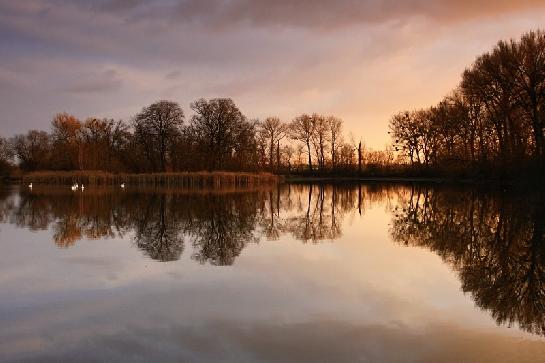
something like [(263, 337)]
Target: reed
[(201, 179), (103, 190)]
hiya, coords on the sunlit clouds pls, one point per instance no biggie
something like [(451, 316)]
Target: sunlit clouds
[(360, 60)]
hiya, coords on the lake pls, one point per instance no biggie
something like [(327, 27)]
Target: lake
[(322, 273)]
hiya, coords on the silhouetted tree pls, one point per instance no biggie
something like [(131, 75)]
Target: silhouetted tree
[(103, 143), (302, 129), (272, 131), (494, 119), (33, 150), (218, 137), (320, 138), (65, 139), (6, 155), (156, 128), (221, 132), (335, 137)]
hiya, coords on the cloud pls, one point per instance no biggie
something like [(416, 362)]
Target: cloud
[(235, 341), (312, 14), (324, 14), (114, 5), (173, 75), (107, 81)]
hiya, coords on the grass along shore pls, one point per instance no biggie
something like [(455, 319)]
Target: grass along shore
[(179, 179)]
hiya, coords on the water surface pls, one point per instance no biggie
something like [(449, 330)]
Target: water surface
[(372, 273)]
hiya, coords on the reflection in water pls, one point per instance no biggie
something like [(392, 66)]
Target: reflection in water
[(494, 240), (157, 227), (217, 224), (221, 226)]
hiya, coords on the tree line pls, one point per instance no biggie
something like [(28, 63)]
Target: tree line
[(493, 122), (217, 136), (494, 119)]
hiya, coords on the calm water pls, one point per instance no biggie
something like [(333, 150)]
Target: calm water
[(372, 273)]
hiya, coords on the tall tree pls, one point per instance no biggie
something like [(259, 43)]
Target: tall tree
[(529, 83), (302, 129), (320, 138), (103, 142), (217, 125), (33, 150), (65, 138), (406, 134), (6, 154), (156, 128), (335, 133), (273, 130)]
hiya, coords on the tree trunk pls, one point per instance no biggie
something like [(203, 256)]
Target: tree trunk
[(278, 155), (359, 158), (309, 156)]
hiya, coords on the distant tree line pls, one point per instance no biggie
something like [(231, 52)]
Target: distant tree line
[(217, 136), (494, 120)]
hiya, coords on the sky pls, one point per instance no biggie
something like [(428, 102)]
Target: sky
[(361, 60)]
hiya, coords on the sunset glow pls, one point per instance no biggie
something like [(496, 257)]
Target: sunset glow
[(361, 61)]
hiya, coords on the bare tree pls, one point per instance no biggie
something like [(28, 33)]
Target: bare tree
[(405, 132), (272, 130), (287, 153), (103, 141), (33, 150), (335, 133), (302, 129), (156, 128), (529, 83), (217, 124), (66, 142), (320, 138), (6, 154), (299, 152)]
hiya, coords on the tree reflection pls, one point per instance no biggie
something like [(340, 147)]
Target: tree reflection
[(157, 230), (71, 216), (315, 213), (7, 204), (495, 241), (222, 225), (218, 224)]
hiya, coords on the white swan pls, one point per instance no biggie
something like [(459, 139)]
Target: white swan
[(122, 185), (30, 185)]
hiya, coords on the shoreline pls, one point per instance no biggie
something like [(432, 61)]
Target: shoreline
[(534, 184), (179, 179), (224, 178)]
